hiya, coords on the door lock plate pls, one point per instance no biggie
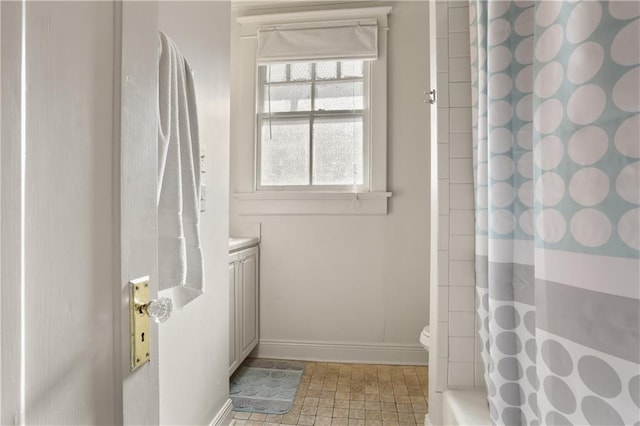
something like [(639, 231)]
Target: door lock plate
[(139, 322)]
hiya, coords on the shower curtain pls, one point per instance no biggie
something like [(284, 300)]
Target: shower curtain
[(556, 100)]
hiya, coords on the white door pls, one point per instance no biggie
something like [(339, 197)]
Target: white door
[(78, 158)]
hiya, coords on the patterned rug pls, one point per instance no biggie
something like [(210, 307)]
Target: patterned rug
[(265, 386)]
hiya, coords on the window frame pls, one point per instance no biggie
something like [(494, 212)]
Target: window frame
[(311, 114), (247, 200)]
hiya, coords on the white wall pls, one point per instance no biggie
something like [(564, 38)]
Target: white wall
[(194, 352), (360, 281)]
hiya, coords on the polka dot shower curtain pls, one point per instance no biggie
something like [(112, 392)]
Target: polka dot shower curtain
[(556, 104)]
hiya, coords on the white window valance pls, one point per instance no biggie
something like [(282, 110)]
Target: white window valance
[(354, 39)]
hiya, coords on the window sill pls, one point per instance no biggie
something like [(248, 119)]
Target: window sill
[(311, 203)]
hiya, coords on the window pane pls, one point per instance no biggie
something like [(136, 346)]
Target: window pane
[(300, 71), (338, 96), (337, 151), (285, 156), (275, 73), (351, 69), (287, 97), (326, 70)]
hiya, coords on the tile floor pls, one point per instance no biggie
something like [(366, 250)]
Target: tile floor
[(353, 395)]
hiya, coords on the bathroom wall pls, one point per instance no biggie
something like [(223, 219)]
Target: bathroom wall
[(194, 352), (355, 287), (459, 344)]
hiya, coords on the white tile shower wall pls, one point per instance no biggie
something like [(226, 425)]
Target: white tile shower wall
[(456, 186)]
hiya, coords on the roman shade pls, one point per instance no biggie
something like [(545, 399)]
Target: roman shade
[(354, 39)]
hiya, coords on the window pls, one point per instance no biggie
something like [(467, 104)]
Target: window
[(311, 126), (310, 93)]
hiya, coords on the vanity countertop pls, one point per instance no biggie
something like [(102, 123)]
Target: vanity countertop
[(239, 243)]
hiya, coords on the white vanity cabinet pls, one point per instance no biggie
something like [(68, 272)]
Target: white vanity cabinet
[(244, 293)]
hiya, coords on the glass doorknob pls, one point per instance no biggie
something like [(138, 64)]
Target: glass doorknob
[(159, 310)]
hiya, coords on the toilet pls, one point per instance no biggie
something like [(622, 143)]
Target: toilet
[(425, 337)]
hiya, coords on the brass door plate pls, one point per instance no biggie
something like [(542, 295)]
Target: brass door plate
[(139, 323)]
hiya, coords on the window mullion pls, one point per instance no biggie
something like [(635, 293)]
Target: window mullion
[(311, 115)]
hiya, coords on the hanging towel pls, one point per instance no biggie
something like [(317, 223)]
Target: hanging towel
[(180, 267)]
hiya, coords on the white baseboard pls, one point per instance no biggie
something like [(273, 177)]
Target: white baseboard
[(366, 353), (224, 416)]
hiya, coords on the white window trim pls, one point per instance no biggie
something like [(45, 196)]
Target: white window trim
[(250, 200)]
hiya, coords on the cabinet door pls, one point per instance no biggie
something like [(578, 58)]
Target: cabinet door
[(249, 284), (234, 297)]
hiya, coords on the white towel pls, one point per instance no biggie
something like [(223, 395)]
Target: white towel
[(180, 267)]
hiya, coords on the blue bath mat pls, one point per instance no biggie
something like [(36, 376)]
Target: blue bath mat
[(265, 386)]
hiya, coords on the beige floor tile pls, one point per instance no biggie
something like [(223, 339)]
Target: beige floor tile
[(412, 380), (371, 389), (388, 406), (403, 399), (419, 408), (386, 389), (241, 415), (400, 390), (415, 391), (274, 418), (313, 393), (341, 412), (296, 409), (339, 421), (404, 408), (356, 422), (356, 396), (323, 421), (341, 403), (327, 395), (356, 405), (387, 398), (372, 397), (239, 422), (342, 395), (325, 412), (306, 420), (290, 419), (406, 418), (356, 414), (372, 405), (373, 415), (308, 411), (253, 423), (373, 422), (260, 417), (326, 402), (418, 400), (311, 402), (390, 416)]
